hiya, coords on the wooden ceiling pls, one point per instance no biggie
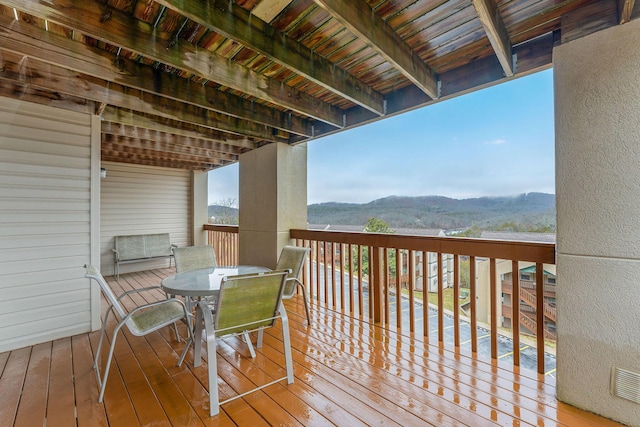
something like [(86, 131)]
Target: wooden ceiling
[(192, 84)]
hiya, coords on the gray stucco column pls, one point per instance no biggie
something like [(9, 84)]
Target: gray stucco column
[(199, 206), (597, 108), (273, 199)]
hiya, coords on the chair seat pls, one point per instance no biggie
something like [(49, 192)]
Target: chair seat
[(146, 320)]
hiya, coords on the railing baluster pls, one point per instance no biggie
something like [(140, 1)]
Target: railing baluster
[(440, 299), (325, 272), (515, 311), (398, 291), (352, 294), (425, 296), (540, 315), (332, 264), (493, 308), (386, 286), (456, 299), (473, 296), (360, 290), (342, 285), (412, 270), (375, 285), (318, 282)]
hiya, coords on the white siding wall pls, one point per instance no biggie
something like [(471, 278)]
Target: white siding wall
[(142, 200), (45, 223)]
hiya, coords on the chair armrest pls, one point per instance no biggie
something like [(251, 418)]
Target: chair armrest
[(153, 304), (117, 254)]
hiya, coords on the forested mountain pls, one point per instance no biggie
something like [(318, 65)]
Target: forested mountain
[(524, 212)]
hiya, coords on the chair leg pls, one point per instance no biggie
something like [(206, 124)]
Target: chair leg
[(287, 344), (260, 337), (306, 302), (247, 339), (214, 400), (103, 383)]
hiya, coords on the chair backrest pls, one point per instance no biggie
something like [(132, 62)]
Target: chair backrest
[(93, 273), (292, 258), (194, 257), (248, 302)]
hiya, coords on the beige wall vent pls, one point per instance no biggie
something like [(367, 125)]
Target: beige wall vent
[(625, 384)]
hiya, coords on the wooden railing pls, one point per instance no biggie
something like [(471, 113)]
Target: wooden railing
[(224, 239), (351, 273)]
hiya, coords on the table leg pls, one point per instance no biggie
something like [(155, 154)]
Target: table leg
[(197, 337)]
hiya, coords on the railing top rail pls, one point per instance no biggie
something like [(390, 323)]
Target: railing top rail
[(220, 227), (499, 249)]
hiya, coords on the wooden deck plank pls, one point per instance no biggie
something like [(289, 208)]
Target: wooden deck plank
[(89, 411), (33, 403), (61, 403), (11, 383), (347, 372)]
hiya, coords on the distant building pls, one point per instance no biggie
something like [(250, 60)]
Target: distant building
[(527, 281)]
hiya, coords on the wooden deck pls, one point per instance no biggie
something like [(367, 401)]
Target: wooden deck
[(347, 373)]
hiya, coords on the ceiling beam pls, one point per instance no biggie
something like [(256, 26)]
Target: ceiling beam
[(222, 150), (154, 123), (269, 9), (52, 48), (625, 10), (136, 146), (146, 160), (226, 18), (361, 20), (491, 20), (26, 92), (57, 79), (88, 17)]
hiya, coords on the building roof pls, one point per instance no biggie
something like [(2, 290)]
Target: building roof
[(193, 84)]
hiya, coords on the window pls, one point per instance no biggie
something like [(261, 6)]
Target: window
[(525, 276), (551, 280)]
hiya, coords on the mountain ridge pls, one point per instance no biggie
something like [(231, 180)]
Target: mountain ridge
[(527, 211)]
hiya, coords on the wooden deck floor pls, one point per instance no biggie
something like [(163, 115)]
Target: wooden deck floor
[(347, 373)]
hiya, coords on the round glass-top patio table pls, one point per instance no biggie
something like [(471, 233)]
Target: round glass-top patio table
[(206, 281), (203, 283)]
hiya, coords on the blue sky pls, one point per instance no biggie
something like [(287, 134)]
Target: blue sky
[(497, 141)]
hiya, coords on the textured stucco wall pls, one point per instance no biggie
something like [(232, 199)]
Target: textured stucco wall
[(273, 199), (597, 107)]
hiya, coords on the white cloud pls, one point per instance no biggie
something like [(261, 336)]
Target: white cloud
[(497, 142)]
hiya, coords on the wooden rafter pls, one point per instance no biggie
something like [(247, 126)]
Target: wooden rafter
[(491, 20), (269, 9), (361, 20), (88, 18), (57, 79), (211, 148), (625, 9), (155, 123), (234, 22)]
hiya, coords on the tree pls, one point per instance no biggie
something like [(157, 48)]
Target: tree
[(374, 225), (225, 212)]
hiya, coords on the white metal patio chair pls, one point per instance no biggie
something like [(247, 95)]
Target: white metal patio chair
[(189, 258), (292, 258), (140, 321), (246, 303)]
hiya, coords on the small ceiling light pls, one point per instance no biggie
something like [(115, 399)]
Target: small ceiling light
[(15, 14)]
